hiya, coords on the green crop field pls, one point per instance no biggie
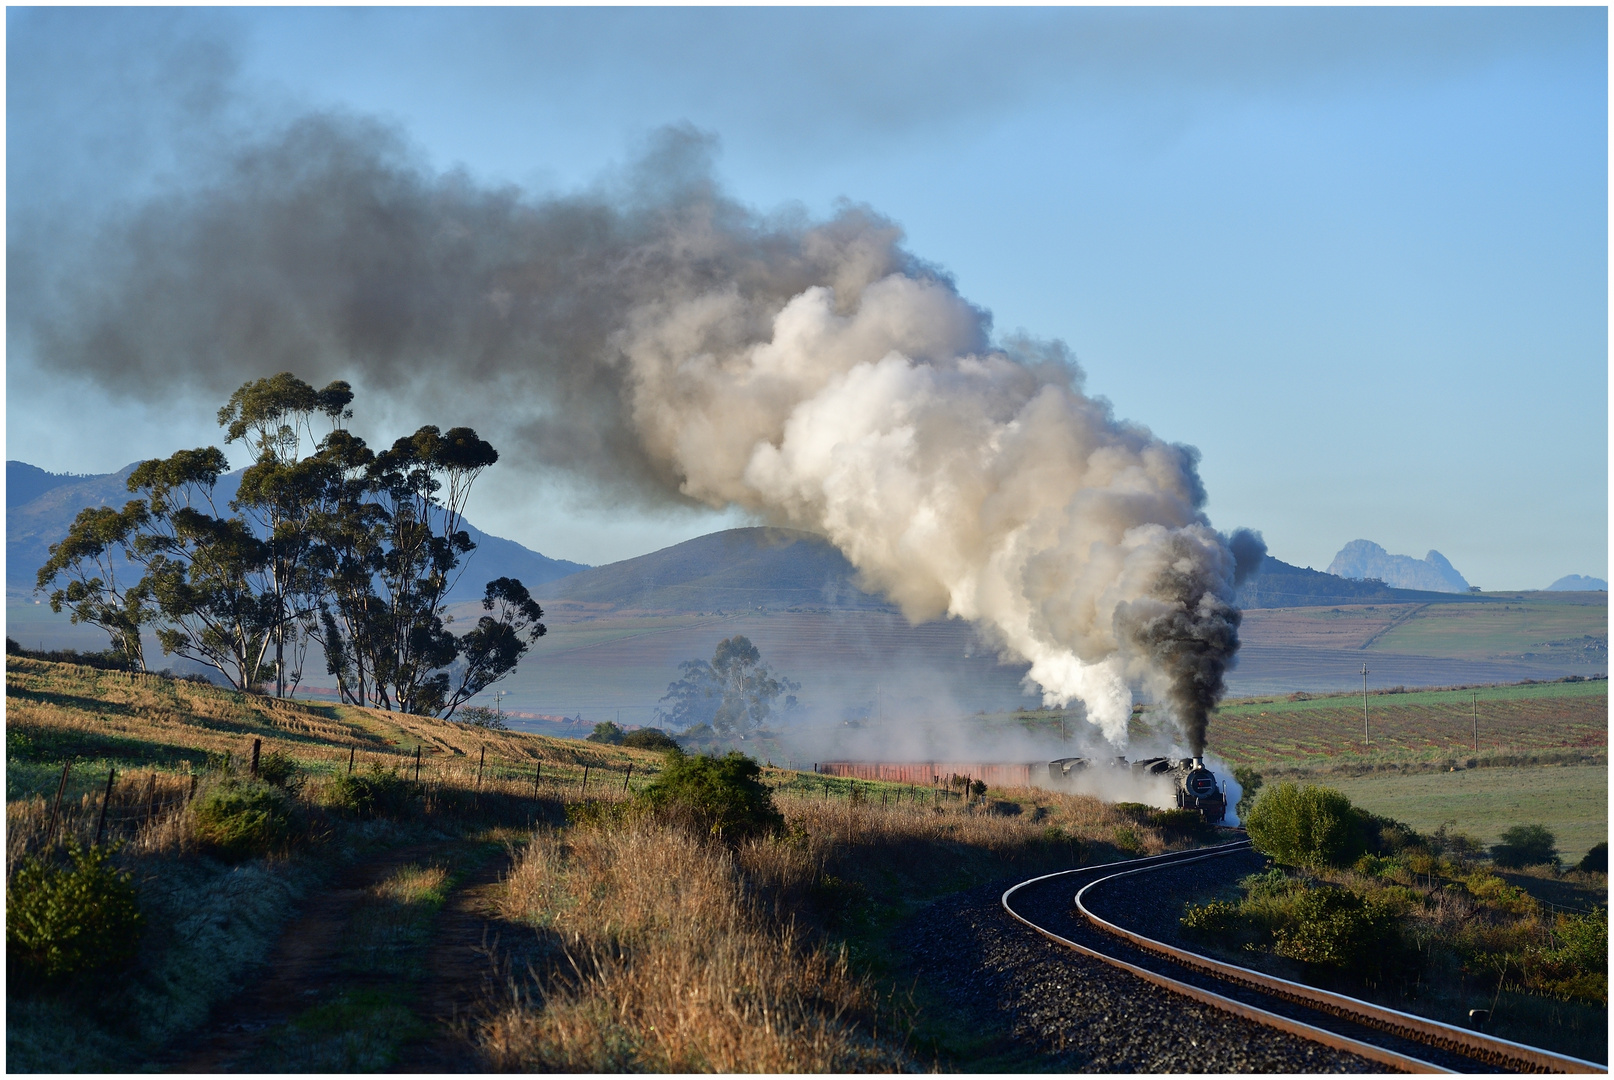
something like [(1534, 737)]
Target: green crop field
[(1571, 800), (1524, 629)]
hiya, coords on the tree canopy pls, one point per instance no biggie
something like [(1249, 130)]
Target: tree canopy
[(734, 692), (327, 542)]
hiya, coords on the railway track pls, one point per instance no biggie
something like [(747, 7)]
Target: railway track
[(1060, 907)]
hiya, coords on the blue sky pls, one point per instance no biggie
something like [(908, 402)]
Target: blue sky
[(1358, 257)]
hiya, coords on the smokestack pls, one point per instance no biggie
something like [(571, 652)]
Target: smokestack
[(659, 343)]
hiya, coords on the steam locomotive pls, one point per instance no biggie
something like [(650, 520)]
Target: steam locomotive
[(1195, 785)]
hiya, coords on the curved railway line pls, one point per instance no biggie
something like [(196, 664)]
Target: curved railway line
[(1060, 907)]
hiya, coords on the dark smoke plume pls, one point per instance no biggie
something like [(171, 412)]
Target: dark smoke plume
[(1188, 627)]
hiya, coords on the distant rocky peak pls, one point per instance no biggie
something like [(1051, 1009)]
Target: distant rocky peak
[(1361, 560)]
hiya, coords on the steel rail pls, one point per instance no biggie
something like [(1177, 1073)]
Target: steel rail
[(1487, 1049), (1331, 1039)]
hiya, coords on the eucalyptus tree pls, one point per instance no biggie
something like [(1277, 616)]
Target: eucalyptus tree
[(734, 692), (86, 562), (282, 491), (328, 541), (208, 574)]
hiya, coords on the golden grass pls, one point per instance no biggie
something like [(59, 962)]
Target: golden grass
[(669, 964), (160, 720), (412, 883), (672, 952)]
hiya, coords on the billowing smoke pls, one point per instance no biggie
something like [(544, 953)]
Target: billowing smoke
[(658, 342)]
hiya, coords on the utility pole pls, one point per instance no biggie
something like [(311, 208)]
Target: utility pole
[(1366, 742), (498, 702)]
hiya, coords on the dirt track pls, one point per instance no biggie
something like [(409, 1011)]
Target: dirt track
[(309, 967)]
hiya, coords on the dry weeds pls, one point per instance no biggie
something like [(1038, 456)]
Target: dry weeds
[(668, 963)]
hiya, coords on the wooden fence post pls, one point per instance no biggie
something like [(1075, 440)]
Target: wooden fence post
[(628, 777), (537, 775), (151, 799), (100, 823), (257, 745), (584, 792), (56, 807), (417, 763), (479, 763), (351, 752)]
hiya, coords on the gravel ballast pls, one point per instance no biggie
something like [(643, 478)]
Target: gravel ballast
[(1085, 1015)]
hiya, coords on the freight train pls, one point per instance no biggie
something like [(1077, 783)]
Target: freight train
[(1195, 786)]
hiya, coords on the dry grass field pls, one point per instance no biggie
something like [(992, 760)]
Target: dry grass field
[(149, 724)]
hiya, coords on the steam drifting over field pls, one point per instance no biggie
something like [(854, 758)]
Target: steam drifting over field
[(662, 343)]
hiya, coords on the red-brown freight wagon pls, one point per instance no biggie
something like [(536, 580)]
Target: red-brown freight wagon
[(926, 773)]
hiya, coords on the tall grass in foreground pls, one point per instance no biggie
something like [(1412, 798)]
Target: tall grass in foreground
[(666, 950), (669, 963)]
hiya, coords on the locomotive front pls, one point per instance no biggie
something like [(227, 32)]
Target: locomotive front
[(1197, 789)]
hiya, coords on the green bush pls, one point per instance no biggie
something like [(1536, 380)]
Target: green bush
[(239, 819), (1335, 928), (61, 921), (1387, 836), (281, 771), (1526, 845), (606, 732), (1216, 918), (376, 792), (1595, 861), (649, 738), (1183, 822), (1312, 827), (722, 796), (1136, 812)]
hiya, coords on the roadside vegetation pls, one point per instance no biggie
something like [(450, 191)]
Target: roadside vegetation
[(158, 883), (1366, 905)]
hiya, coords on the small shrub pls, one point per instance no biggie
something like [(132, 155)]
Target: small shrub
[(1387, 836), (376, 792), (1273, 882), (722, 796), (649, 738), (1595, 861), (1335, 928), (1312, 827), (239, 819), (61, 921), (1135, 812), (281, 771), (607, 733), (1526, 845), (1182, 822), (1216, 918), (1128, 840), (483, 717)]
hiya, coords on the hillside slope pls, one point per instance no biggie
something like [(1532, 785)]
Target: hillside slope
[(734, 570)]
